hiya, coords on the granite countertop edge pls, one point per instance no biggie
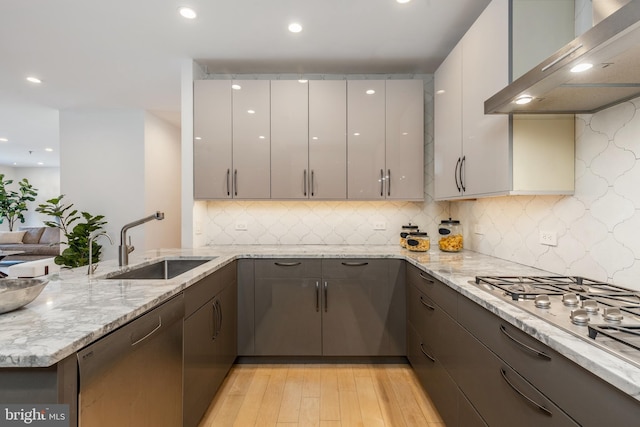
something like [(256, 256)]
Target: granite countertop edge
[(74, 310)]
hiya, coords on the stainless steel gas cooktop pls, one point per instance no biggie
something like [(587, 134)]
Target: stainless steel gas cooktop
[(602, 314)]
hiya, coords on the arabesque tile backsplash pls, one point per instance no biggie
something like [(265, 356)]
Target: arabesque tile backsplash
[(598, 228)]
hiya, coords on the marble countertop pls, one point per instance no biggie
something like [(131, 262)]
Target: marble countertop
[(75, 310)]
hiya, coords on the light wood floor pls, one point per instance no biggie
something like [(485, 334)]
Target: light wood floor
[(324, 395)]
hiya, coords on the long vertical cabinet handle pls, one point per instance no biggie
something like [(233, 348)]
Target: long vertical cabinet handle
[(304, 182), (235, 182), (219, 316), (214, 320), (455, 173), (326, 299), (388, 182), (317, 296), (228, 178), (464, 159), (381, 183), (313, 184)]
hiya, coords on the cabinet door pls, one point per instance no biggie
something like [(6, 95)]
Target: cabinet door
[(212, 139), (328, 139), (448, 126), (251, 140), (289, 139), (355, 307), (365, 139), (485, 71), (404, 145)]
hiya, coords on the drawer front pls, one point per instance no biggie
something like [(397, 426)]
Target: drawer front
[(501, 396), (576, 390), (440, 293), (287, 267), (357, 268)]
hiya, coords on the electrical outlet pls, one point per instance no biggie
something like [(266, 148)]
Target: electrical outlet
[(549, 238), (241, 226), (379, 225), (198, 228), (479, 229)]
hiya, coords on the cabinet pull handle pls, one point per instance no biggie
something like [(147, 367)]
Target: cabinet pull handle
[(389, 182), (313, 184), (214, 320), (153, 331), (304, 182), (464, 159), (429, 306), (524, 396), (317, 296), (326, 299), (228, 178), (235, 182), (381, 183), (426, 354), (428, 279), (538, 353), (219, 304), (455, 173), (287, 264), (355, 264)]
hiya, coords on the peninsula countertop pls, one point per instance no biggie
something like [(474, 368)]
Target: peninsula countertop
[(75, 310)]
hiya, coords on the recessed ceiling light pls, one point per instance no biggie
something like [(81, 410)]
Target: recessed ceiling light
[(370, 92), (197, 138), (187, 12), (315, 138), (524, 99), (251, 111), (236, 87), (302, 81), (440, 92), (33, 79), (403, 1), (48, 149), (356, 134), (40, 163), (295, 27), (581, 67), (4, 140), (261, 137)]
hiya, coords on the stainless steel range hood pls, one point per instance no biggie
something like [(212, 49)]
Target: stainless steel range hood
[(612, 46)]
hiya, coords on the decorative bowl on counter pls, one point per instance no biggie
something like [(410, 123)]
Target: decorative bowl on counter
[(15, 293)]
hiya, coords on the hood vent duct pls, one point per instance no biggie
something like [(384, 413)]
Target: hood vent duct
[(612, 47)]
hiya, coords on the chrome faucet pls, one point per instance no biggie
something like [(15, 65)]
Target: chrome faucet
[(124, 250), (92, 267)]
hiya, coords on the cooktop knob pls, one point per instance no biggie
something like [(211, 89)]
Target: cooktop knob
[(590, 305), (612, 314), (570, 300), (542, 301), (579, 316)]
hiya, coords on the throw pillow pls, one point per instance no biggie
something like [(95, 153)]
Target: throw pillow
[(7, 237)]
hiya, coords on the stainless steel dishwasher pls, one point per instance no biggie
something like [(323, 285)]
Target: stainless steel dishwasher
[(133, 376)]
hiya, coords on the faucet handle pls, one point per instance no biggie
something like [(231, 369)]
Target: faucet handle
[(130, 247)]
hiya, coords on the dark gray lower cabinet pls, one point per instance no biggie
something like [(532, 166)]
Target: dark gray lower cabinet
[(210, 345), (325, 307)]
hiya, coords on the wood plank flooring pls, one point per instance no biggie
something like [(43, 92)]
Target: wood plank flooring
[(322, 395)]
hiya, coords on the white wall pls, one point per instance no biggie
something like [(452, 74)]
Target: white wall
[(162, 182), (45, 180)]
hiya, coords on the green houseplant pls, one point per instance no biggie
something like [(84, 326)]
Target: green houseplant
[(14, 203), (77, 227)]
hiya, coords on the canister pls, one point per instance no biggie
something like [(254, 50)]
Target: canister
[(406, 230), (418, 241), (450, 235)]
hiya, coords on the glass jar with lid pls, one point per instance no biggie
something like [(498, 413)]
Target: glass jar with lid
[(450, 235), (418, 241), (406, 230)]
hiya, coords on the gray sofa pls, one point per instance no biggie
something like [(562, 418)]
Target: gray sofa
[(37, 243)]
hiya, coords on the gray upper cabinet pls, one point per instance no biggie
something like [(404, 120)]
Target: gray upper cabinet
[(385, 139), (327, 139), (478, 155), (322, 139), (212, 145), (251, 174), (308, 140)]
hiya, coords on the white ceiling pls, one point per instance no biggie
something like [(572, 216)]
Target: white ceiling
[(127, 53)]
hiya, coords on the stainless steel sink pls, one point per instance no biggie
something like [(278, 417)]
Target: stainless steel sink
[(162, 270)]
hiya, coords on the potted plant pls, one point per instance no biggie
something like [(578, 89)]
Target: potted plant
[(14, 203), (77, 228)]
